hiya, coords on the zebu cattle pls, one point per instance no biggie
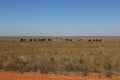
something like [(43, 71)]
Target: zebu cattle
[(68, 39), (94, 40), (49, 39), (30, 40), (43, 39), (22, 39), (39, 39), (79, 39), (89, 40), (98, 40)]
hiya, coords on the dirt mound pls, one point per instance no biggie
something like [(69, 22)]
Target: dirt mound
[(37, 76)]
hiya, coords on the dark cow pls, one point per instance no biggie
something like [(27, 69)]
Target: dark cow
[(89, 40), (98, 40), (49, 39), (22, 39), (30, 40), (68, 39), (43, 39), (39, 39), (94, 40), (79, 39)]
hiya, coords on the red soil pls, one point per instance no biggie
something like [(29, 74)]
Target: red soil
[(37, 76)]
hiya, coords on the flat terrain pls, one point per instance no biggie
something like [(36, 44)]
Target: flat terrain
[(60, 56)]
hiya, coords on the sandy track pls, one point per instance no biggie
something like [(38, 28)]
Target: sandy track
[(37, 76)]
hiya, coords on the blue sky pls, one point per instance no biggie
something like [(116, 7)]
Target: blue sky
[(59, 17)]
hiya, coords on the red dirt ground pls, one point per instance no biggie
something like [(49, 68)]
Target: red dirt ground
[(37, 76)]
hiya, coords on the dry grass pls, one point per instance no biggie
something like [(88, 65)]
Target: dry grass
[(60, 56)]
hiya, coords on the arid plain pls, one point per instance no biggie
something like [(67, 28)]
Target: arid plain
[(60, 58)]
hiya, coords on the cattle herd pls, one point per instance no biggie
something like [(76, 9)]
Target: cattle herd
[(49, 40), (94, 40), (35, 40)]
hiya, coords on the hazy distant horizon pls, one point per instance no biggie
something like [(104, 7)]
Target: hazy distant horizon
[(59, 17), (59, 36)]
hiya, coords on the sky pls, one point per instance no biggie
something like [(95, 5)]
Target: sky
[(59, 17)]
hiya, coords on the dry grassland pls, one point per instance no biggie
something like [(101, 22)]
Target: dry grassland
[(61, 57)]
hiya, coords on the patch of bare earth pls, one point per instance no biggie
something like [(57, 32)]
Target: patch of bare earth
[(37, 76)]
